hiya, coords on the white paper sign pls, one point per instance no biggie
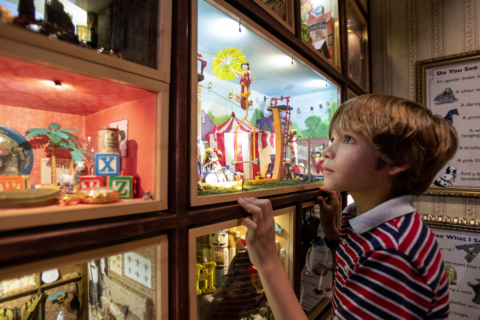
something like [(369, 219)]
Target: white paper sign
[(138, 268), (461, 255), (453, 92)]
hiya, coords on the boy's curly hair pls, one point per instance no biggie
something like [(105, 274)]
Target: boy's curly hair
[(400, 131)]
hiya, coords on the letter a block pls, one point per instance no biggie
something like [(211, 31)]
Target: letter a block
[(11, 183), (90, 182), (124, 186), (107, 164)]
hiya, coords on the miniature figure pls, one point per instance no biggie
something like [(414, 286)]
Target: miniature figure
[(246, 78), (147, 196), (208, 158), (69, 181), (221, 251), (318, 162), (271, 166), (199, 176), (292, 141), (288, 170)]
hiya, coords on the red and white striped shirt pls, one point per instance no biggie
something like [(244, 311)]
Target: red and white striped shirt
[(388, 266)]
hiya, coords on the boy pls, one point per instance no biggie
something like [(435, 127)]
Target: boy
[(384, 151)]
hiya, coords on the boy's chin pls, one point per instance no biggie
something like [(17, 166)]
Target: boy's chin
[(330, 185)]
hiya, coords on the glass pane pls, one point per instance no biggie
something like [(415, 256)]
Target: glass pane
[(69, 132), (262, 125), (357, 46), (351, 94), (122, 29), (320, 28), (281, 8), (364, 4), (106, 288), (228, 285), (317, 271)]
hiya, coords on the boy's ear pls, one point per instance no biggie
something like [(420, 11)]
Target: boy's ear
[(396, 168)]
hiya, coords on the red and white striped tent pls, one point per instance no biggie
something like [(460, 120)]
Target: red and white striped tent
[(225, 142)]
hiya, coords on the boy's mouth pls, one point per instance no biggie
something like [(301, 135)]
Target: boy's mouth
[(327, 169)]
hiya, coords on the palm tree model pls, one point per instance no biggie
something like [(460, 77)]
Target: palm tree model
[(59, 139)]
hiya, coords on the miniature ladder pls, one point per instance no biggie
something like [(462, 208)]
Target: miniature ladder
[(285, 135)]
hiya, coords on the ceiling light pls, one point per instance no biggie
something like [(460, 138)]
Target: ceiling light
[(317, 83), (58, 84), (226, 28)]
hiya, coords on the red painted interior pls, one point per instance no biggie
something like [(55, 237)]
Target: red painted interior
[(29, 99), (141, 115), (28, 85)]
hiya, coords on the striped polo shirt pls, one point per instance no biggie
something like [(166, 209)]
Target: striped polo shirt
[(388, 265)]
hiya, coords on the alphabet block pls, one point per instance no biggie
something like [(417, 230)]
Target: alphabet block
[(12, 183), (87, 182), (124, 186), (107, 164)]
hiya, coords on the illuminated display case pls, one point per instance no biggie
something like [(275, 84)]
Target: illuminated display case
[(320, 28), (351, 94), (223, 283), (127, 281), (357, 44), (74, 120), (259, 130)]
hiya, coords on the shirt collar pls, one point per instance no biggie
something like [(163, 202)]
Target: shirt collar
[(389, 210)]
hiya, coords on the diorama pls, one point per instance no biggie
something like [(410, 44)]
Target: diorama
[(320, 28), (262, 115), (224, 284), (128, 285)]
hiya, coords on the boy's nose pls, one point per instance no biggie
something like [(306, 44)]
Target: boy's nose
[(328, 153)]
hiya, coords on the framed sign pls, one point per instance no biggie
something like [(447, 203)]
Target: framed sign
[(461, 255), (450, 87)]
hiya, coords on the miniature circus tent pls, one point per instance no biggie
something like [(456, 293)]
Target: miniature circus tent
[(225, 142)]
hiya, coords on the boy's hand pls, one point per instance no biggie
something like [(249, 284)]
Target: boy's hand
[(328, 210), (260, 236)]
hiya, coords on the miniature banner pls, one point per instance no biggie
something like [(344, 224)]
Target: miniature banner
[(461, 255)]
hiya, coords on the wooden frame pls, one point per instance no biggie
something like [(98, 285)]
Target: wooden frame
[(28, 44), (422, 83), (196, 200), (197, 232), (32, 217), (160, 242), (290, 23), (351, 94), (452, 223)]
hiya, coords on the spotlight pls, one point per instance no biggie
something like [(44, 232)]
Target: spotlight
[(210, 85), (58, 84), (230, 95)]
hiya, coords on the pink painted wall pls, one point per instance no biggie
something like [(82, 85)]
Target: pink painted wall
[(140, 162), (22, 119)]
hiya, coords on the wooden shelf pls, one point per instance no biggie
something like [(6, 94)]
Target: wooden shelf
[(59, 283), (10, 297)]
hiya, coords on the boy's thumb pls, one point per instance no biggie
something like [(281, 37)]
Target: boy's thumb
[(321, 202)]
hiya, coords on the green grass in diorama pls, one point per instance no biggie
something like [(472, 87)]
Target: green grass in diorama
[(209, 189)]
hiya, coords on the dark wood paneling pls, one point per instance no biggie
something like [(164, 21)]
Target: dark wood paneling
[(29, 245), (178, 274)]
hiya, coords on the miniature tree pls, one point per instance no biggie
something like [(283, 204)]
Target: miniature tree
[(58, 139)]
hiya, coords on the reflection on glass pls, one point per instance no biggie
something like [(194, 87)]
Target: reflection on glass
[(320, 27), (351, 94), (250, 94), (121, 29), (317, 272), (357, 40), (117, 287), (228, 285), (364, 4)]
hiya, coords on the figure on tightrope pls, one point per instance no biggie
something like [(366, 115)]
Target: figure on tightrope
[(246, 78)]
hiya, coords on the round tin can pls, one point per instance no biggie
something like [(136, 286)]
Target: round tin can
[(108, 140)]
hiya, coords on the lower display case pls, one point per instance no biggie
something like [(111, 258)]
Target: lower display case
[(127, 281), (223, 283)]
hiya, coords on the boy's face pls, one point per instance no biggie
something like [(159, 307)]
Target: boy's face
[(349, 165)]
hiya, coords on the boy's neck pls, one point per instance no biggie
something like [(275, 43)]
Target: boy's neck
[(367, 201)]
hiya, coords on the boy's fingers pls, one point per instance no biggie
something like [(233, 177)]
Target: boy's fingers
[(266, 207), (254, 210), (247, 222)]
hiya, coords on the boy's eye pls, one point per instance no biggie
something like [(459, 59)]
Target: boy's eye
[(348, 139)]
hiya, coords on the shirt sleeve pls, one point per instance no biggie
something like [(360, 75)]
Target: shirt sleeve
[(386, 285)]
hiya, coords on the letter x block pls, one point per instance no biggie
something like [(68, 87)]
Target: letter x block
[(107, 164), (124, 186), (90, 182)]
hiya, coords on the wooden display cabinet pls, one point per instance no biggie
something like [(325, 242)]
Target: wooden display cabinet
[(248, 179), (282, 11), (94, 90), (117, 280), (210, 272)]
